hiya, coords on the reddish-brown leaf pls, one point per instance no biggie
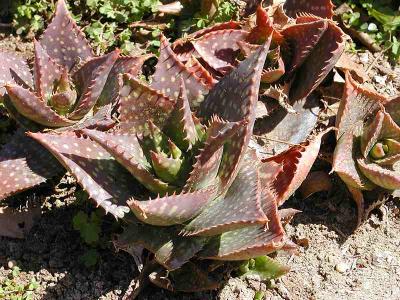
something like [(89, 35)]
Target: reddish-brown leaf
[(63, 40)]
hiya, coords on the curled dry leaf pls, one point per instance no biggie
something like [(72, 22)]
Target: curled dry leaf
[(315, 182)]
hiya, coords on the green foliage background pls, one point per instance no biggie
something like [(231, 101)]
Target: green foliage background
[(107, 22), (380, 19)]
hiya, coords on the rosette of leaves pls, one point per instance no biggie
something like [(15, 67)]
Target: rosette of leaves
[(367, 155), (183, 140), (305, 40), (68, 87), (306, 43)]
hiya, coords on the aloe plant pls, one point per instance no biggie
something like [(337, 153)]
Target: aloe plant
[(307, 44), (69, 87), (183, 140), (367, 155)]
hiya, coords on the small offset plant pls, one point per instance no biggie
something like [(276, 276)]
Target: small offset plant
[(367, 155), (69, 87), (89, 227)]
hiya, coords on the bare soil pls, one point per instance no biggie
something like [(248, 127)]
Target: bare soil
[(333, 261)]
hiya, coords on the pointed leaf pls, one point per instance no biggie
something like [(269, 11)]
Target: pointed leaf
[(201, 72), (171, 250), (234, 99), (126, 150), (319, 62), (101, 120), (248, 242), (25, 122), (386, 178), (315, 182), (301, 40), (24, 164), (219, 48), (263, 29), (239, 207), (46, 71), (356, 104), (297, 162), (166, 168), (173, 209), (34, 108), (13, 69), (184, 48), (124, 64), (106, 182), (94, 87), (393, 108), (208, 160), (281, 128), (321, 8), (63, 40), (139, 104), (381, 128), (344, 161), (165, 78), (275, 69), (180, 125)]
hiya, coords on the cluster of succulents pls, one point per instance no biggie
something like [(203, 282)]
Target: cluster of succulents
[(173, 155)]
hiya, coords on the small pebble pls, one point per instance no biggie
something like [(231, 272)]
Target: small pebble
[(364, 57), (341, 267), (11, 264), (380, 79)]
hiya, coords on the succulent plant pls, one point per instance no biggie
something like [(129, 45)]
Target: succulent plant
[(367, 155), (307, 44), (69, 87), (211, 196), (184, 138)]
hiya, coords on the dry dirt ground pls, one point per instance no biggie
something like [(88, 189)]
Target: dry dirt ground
[(333, 262)]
